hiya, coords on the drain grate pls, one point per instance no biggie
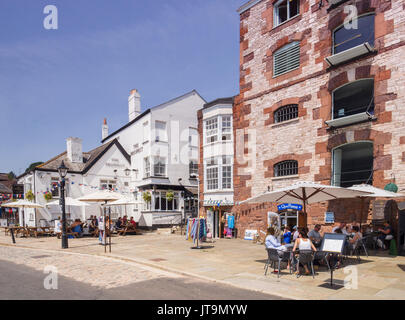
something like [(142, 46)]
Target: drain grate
[(157, 260), (40, 257)]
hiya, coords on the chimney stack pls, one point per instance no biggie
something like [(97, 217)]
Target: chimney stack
[(105, 129), (74, 150), (134, 104)]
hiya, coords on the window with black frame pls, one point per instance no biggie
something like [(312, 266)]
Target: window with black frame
[(286, 113), (353, 98), (348, 36), (286, 168)]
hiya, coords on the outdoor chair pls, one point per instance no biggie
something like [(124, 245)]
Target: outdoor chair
[(322, 257), (306, 257), (275, 257), (355, 249)]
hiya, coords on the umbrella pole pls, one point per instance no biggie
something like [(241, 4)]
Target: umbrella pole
[(105, 229), (361, 211), (109, 230), (304, 195)]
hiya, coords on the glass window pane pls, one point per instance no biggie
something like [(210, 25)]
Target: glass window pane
[(345, 39)]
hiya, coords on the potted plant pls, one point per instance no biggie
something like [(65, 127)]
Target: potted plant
[(147, 197), (48, 196), (29, 196), (170, 195)]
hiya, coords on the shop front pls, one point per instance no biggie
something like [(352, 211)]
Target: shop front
[(292, 215), (220, 219)]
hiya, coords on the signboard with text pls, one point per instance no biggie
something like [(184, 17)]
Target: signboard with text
[(291, 206)]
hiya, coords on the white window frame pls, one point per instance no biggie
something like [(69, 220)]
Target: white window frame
[(161, 133), (108, 184), (157, 205), (160, 164), (146, 167), (193, 171), (220, 163), (211, 131), (226, 127), (276, 12)]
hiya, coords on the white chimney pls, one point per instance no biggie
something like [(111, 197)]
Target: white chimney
[(105, 129), (74, 150), (134, 104)]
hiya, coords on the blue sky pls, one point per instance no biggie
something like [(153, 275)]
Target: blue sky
[(60, 83)]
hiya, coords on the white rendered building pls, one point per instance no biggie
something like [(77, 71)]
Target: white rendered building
[(163, 144)]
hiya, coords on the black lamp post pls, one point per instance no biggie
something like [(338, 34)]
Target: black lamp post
[(63, 172)]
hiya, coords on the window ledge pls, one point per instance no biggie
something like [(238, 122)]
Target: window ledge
[(356, 118), (283, 23), (280, 124), (217, 142), (285, 177), (349, 54)]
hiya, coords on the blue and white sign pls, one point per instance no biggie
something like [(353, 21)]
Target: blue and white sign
[(286, 206), (329, 217)]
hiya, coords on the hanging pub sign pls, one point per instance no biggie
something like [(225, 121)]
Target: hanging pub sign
[(329, 217), (289, 206)]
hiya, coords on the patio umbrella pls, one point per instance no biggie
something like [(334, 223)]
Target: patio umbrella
[(104, 197), (22, 204), (304, 193), (124, 201), (69, 202), (373, 192)]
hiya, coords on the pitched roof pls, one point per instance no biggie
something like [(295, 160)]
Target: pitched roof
[(216, 102), (4, 189), (89, 159), (148, 111)]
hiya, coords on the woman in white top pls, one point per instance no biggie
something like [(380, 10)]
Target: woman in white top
[(303, 243)]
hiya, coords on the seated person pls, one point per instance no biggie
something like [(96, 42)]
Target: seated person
[(342, 227), (315, 236), (385, 235), (125, 220), (77, 227), (118, 224), (357, 236), (287, 235), (303, 244), (272, 242), (132, 222)]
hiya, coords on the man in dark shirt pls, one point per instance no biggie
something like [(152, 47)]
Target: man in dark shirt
[(386, 234)]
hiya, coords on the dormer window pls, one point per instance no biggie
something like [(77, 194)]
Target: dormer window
[(285, 10), (286, 113)]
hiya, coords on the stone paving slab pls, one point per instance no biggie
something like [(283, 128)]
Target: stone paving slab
[(239, 263)]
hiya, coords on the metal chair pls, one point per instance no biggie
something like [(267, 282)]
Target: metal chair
[(275, 257), (306, 257), (322, 256)]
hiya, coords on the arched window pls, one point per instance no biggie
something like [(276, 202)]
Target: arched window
[(285, 113), (286, 58), (353, 98), (353, 164), (348, 36), (286, 168)]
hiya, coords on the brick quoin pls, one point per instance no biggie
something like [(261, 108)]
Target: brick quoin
[(308, 139)]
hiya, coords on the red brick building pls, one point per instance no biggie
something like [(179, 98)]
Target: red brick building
[(321, 99)]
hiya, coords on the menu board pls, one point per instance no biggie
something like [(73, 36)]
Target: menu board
[(333, 242), (378, 209)]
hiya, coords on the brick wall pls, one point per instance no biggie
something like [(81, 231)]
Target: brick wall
[(307, 139)]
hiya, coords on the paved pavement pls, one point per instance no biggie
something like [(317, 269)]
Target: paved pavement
[(82, 277), (239, 263)]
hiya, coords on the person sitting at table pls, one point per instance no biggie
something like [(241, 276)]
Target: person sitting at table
[(58, 227), (287, 235), (386, 235), (315, 236), (342, 227), (303, 244), (77, 227), (271, 242), (357, 236), (132, 222), (118, 224), (125, 220)]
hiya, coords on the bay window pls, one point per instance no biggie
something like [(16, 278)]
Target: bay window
[(211, 130), (159, 167)]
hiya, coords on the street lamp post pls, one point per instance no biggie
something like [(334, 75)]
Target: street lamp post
[(62, 173)]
